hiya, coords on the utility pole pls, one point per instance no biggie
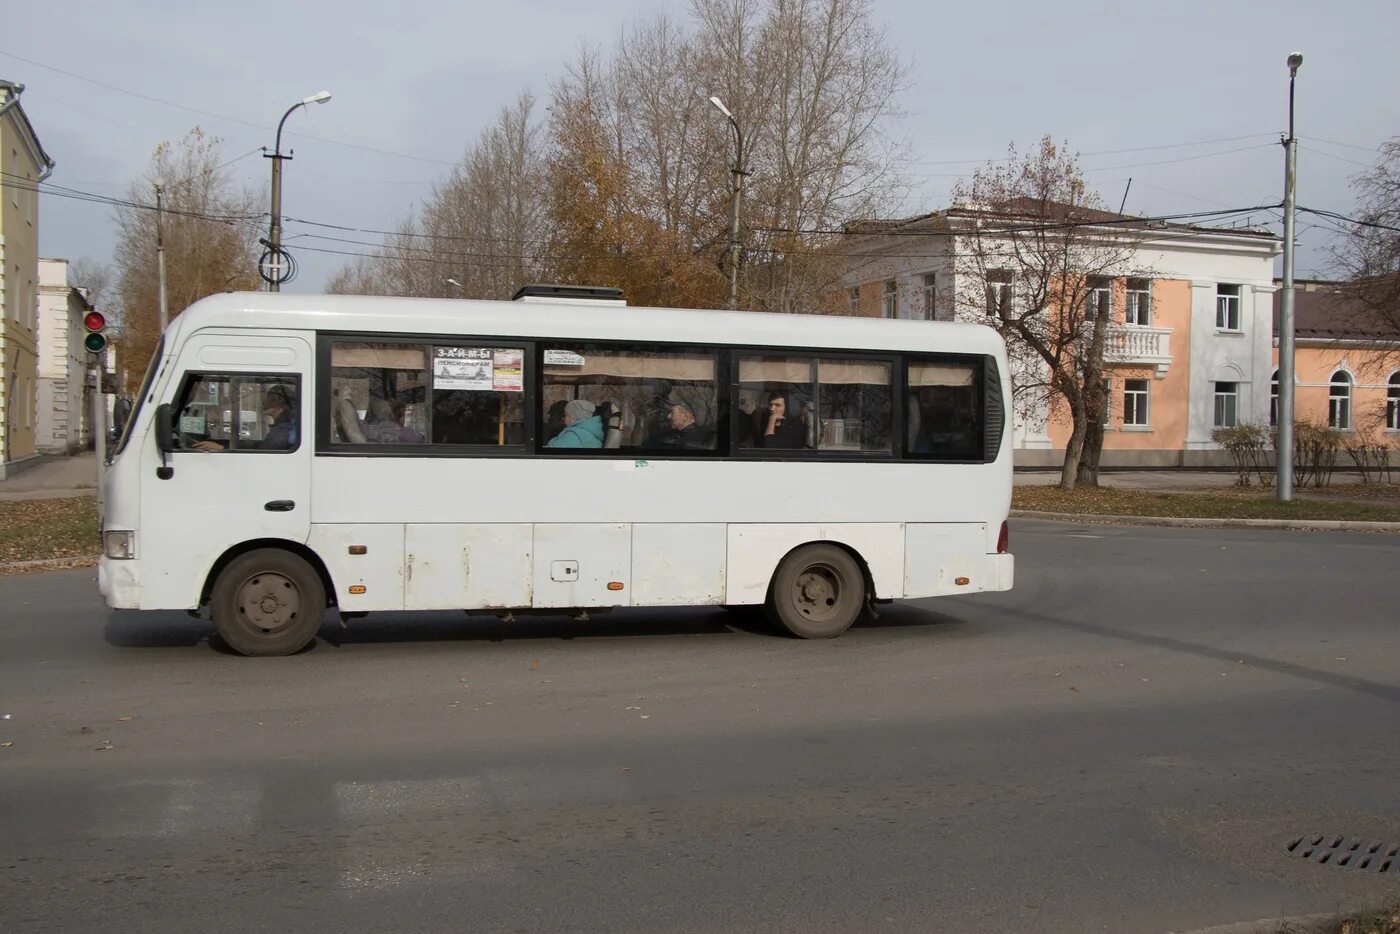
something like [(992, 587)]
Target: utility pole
[(160, 257), (1283, 454), (739, 173), (274, 254)]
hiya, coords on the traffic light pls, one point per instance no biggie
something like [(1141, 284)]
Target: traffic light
[(95, 323)]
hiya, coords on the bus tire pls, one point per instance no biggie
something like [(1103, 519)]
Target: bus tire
[(818, 592), (268, 602)]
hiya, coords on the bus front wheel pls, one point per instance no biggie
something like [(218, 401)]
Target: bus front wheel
[(268, 602), (818, 592)]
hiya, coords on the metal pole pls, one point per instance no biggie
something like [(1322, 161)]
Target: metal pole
[(99, 442), (160, 258), (275, 235), (734, 215), (1284, 449)]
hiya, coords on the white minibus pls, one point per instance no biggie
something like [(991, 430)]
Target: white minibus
[(562, 452)]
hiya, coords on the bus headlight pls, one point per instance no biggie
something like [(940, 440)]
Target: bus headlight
[(119, 545)]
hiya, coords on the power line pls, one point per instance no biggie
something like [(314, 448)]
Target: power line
[(1332, 155), (59, 191), (1101, 152), (1318, 139), (1350, 220), (219, 116), (1129, 165)]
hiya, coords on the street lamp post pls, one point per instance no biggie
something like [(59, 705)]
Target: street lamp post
[(160, 259), (1284, 449), (739, 173), (275, 235)]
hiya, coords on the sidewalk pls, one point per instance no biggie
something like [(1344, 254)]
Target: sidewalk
[(55, 477)]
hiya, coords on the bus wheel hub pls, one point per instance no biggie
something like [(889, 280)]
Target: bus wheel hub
[(269, 601)]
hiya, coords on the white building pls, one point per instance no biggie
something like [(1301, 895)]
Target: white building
[(65, 401), (1189, 346)]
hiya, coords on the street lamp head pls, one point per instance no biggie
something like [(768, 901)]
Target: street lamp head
[(722, 109), (1294, 61), (320, 97)]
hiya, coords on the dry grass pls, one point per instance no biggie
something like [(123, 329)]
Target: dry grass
[(1219, 504), (33, 530)]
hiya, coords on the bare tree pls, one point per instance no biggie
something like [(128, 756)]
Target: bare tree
[(94, 278), (1368, 255), (1032, 256), (211, 234), (483, 226)]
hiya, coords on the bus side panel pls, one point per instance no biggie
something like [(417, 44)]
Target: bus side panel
[(937, 554), (469, 567), (379, 570), (679, 564), (755, 550)]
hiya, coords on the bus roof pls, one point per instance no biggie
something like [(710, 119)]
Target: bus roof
[(582, 321)]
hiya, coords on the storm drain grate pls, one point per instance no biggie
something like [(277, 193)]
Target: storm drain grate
[(1348, 852)]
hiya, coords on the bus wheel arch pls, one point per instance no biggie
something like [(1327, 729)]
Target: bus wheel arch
[(296, 548), (268, 600), (819, 589)]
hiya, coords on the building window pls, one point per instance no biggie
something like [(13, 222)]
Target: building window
[(853, 300), (1099, 302), (930, 295), (1135, 402), (1273, 400), (1227, 402), (1227, 307), (1139, 302), (1392, 402), (1339, 401), (998, 291), (891, 299)]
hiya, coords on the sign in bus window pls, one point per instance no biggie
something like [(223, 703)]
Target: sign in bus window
[(407, 393), (640, 401), (945, 419), (807, 403)]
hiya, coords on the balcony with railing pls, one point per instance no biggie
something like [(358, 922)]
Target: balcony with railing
[(1139, 345)]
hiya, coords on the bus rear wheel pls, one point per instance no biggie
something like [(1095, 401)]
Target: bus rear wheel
[(268, 602), (818, 592)]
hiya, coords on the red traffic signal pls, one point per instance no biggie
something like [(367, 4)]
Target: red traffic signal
[(94, 322)]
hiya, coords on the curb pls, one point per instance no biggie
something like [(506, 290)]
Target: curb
[(1315, 525), (88, 561), (1299, 924)]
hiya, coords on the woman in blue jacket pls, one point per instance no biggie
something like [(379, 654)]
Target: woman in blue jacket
[(582, 428)]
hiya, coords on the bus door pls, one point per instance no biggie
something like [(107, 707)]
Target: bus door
[(241, 468)]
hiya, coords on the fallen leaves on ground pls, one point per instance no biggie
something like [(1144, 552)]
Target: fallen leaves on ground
[(1222, 504), (38, 529)]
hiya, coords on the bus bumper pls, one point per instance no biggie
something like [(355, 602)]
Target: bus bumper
[(1003, 569), (119, 582)]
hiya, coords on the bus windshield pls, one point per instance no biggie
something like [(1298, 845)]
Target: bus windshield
[(140, 396)]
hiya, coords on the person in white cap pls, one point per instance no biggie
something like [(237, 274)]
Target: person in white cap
[(582, 428)]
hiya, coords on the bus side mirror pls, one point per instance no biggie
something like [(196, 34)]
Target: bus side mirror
[(165, 429)]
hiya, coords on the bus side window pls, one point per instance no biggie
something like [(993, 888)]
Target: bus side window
[(222, 412), (944, 411)]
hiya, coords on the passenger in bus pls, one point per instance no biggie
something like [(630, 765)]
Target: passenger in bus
[(554, 419), (582, 428), (682, 431), (780, 430), (280, 405), (384, 424)]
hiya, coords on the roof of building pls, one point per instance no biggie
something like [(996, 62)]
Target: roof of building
[(1029, 209), (12, 90), (1322, 310)]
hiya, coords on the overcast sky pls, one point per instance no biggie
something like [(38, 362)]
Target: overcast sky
[(1203, 83)]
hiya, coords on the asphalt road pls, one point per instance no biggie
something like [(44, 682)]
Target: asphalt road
[(1126, 742)]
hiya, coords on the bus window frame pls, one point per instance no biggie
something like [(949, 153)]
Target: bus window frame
[(979, 366), (326, 447), (893, 357), (723, 356), (727, 375), (189, 377)]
